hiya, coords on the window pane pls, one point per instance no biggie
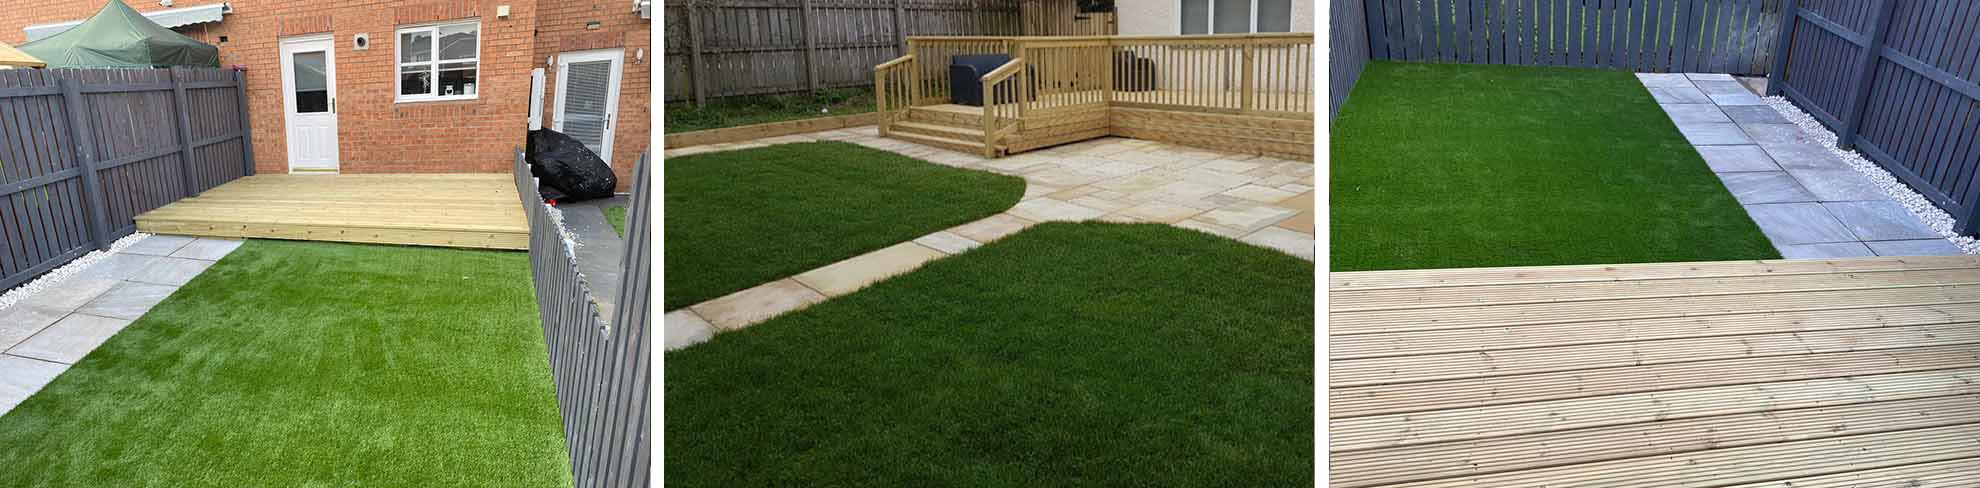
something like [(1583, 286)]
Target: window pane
[(416, 80), (1233, 16), (1195, 17), (458, 41), (1274, 15), (308, 70), (457, 79), (416, 46)]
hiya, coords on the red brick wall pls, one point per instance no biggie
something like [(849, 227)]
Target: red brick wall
[(375, 134)]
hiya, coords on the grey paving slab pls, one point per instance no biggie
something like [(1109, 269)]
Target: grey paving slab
[(1696, 77), (1825, 251), (1774, 133), (158, 245), (1732, 99), (1754, 114), (117, 266), (1837, 185), (171, 271), (1678, 94), (684, 329), (1663, 79), (1725, 159), (1696, 113), (1804, 156), (1798, 223), (69, 339), (69, 294), (1880, 220), (1721, 87), (602, 250), (1916, 247), (1765, 187), (21, 377), (19, 322), (207, 248), (1714, 134), (128, 300)]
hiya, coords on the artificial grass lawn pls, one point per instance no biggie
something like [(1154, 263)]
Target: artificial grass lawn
[(738, 219), (1066, 354), (1446, 165), (617, 217), (759, 109), (310, 364)]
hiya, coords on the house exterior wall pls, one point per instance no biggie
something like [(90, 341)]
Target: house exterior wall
[(1162, 17), (377, 134)]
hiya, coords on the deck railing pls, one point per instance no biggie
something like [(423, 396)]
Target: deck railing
[(894, 89)]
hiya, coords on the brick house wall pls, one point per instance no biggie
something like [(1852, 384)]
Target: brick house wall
[(562, 27), (375, 133)]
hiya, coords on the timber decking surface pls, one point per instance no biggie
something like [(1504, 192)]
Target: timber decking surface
[(445, 210), (1831, 373)]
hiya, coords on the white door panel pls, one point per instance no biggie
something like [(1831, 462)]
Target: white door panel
[(309, 103), (588, 97)]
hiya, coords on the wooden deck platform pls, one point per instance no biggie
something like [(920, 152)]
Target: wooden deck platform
[(1856, 372), (447, 210)]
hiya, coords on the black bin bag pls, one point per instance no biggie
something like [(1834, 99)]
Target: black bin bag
[(568, 171)]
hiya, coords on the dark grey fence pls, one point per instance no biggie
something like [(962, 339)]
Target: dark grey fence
[(1347, 30), (1895, 80), (83, 152), (602, 369), (721, 48), (1719, 36)]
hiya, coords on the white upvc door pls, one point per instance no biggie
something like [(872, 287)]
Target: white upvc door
[(588, 97), (309, 103)]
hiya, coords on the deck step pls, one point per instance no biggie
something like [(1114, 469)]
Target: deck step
[(949, 118), (971, 147), (958, 133)]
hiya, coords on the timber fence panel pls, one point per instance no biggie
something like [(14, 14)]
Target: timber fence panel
[(1726, 36)]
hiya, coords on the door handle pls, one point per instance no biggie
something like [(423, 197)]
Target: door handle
[(333, 105)]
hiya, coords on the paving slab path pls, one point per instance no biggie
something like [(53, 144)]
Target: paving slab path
[(45, 333), (1260, 200), (601, 251), (1810, 203)]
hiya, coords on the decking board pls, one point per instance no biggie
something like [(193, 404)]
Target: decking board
[(1823, 373), (446, 210)]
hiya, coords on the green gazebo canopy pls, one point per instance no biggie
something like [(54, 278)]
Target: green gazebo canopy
[(118, 37)]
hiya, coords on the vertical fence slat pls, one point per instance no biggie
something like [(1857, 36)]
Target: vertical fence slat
[(1853, 118)]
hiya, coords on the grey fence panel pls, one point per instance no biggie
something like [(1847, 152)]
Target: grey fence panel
[(1724, 36), (1895, 80), (604, 388), (84, 151), (1348, 33), (717, 48)]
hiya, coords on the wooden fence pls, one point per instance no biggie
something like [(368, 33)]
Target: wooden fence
[(1895, 79), (1719, 36), (719, 48), (84, 151), (602, 369), (1347, 32)]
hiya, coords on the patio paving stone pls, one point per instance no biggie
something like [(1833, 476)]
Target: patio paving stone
[(69, 339), (991, 228), (1049, 210), (128, 300), (1284, 240), (1765, 187), (1709, 77), (1725, 159), (1754, 114), (1881, 220), (852, 274), (1179, 192), (1696, 113), (158, 245), (684, 329), (1798, 223), (1136, 182), (1714, 134), (1825, 250), (947, 242), (1774, 133), (117, 266), (69, 294), (19, 322), (1158, 212), (1037, 191), (1303, 221), (1663, 79), (1804, 156), (20, 377), (1260, 194), (1224, 180), (1678, 94), (171, 271), (1246, 218), (1837, 185), (1720, 87), (1230, 166), (1221, 230), (1918, 247), (743, 308), (1735, 99), (208, 248)]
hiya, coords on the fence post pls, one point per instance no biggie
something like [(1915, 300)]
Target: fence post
[(1860, 90), (184, 121), (810, 46), (1778, 73), (695, 68), (85, 141), (1245, 78), (900, 27), (247, 126)]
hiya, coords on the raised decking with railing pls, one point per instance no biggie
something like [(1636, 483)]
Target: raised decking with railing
[(1247, 93)]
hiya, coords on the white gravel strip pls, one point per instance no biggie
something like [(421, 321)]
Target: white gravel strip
[(1937, 219), (55, 276)]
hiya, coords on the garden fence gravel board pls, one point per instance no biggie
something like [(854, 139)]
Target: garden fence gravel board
[(1718, 36), (602, 369), (84, 151)]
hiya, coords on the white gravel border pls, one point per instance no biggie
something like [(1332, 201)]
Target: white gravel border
[(1937, 219), (55, 276)]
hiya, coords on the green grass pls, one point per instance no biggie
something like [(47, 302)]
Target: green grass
[(1445, 165), (310, 364), (738, 219), (758, 109), (617, 217), (1066, 354)]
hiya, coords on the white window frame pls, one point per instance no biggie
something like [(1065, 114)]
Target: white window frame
[(1210, 20), (433, 30)]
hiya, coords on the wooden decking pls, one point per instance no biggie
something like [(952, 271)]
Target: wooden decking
[(450, 210), (1859, 372)]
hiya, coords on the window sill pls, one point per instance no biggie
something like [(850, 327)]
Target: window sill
[(457, 98)]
